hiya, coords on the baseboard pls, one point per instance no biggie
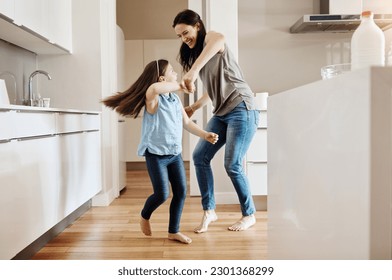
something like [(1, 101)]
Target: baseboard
[(260, 201), (28, 252), (104, 198)]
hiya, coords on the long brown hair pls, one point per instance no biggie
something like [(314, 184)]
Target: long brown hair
[(188, 56), (131, 101)]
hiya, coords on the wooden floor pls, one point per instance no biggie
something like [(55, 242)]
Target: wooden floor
[(113, 232)]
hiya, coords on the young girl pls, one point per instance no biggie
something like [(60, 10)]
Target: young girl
[(160, 143)]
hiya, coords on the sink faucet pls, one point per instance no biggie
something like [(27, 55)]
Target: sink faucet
[(31, 96)]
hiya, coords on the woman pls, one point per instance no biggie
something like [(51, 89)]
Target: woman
[(235, 119), (161, 140)]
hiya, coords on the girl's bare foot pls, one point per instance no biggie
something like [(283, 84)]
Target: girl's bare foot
[(145, 226)]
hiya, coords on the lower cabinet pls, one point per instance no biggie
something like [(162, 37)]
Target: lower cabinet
[(256, 159), (29, 192), (43, 179), (80, 165)]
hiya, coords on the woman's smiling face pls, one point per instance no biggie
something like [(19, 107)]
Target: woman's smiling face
[(187, 33)]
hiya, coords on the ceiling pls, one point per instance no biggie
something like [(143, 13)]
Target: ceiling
[(148, 19)]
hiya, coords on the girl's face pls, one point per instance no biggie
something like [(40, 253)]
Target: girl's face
[(170, 75), (187, 33)]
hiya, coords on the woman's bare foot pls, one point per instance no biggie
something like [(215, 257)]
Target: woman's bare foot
[(145, 226), (180, 237), (209, 216), (244, 223)]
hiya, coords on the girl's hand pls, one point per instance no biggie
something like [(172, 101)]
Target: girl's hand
[(211, 137)]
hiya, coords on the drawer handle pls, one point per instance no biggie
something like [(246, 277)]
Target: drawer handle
[(35, 137)]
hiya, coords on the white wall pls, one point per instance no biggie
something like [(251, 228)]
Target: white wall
[(76, 78), (274, 60)]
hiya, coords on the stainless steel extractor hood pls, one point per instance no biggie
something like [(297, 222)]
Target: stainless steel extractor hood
[(336, 22)]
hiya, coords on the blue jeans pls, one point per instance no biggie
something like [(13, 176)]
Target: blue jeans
[(162, 170), (235, 129)]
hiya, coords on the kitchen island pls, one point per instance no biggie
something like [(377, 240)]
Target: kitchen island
[(50, 169), (329, 168)]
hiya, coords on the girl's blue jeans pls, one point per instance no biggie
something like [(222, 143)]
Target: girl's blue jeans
[(162, 171), (235, 129)]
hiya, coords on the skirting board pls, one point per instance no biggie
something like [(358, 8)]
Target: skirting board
[(231, 198)]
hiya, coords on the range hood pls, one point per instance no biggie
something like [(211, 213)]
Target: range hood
[(337, 22)]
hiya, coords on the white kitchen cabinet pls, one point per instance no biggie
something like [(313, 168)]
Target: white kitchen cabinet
[(33, 15), (7, 8), (256, 158), (80, 161), (41, 26), (34, 123), (28, 192), (7, 130), (50, 166), (60, 23)]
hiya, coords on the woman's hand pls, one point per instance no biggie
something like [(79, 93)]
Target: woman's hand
[(188, 81), (211, 137)]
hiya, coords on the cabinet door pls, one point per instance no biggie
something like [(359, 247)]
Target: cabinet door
[(257, 176), (34, 123), (80, 169), (257, 151), (33, 15), (133, 128), (60, 23), (263, 119), (6, 125), (7, 8), (28, 192)]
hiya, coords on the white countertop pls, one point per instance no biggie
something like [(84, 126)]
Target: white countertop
[(43, 109)]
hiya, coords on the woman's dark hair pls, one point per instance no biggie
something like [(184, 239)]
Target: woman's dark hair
[(131, 101), (188, 56)]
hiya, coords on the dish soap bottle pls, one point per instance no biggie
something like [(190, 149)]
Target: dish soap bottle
[(367, 44)]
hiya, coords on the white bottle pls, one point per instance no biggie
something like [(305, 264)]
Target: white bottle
[(367, 44)]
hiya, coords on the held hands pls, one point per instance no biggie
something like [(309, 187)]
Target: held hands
[(188, 82), (211, 137)]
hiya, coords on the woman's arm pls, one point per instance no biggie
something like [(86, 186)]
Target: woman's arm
[(193, 128), (189, 110), (157, 88), (215, 42)]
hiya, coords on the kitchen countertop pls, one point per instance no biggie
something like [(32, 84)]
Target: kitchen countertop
[(43, 109)]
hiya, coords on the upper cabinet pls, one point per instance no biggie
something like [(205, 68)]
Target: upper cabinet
[(41, 26), (33, 15), (7, 8), (60, 23)]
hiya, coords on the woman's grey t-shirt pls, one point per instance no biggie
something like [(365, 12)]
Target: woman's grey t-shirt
[(223, 79)]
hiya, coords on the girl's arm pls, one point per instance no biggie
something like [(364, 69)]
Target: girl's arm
[(157, 88), (215, 42), (193, 128)]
